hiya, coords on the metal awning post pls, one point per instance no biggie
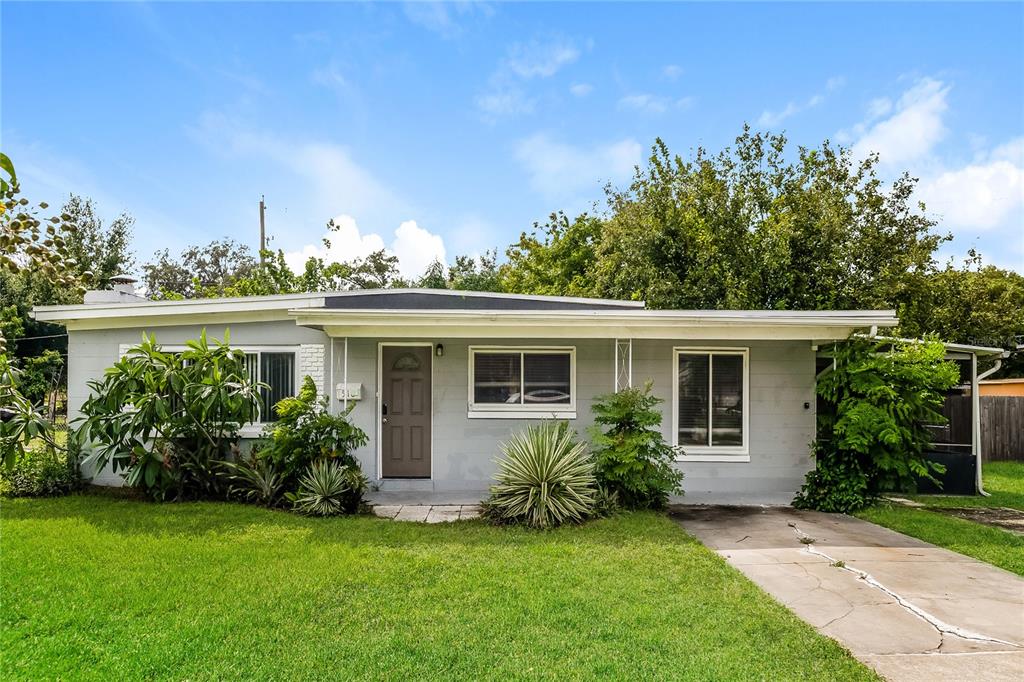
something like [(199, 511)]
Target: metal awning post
[(344, 376), (623, 364)]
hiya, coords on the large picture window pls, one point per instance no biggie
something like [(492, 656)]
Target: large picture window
[(711, 401), (531, 381)]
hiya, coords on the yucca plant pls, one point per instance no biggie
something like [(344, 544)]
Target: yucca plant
[(545, 478), (328, 488), (256, 480)]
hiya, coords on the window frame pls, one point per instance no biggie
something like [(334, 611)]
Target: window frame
[(255, 429), (521, 410), (711, 453)]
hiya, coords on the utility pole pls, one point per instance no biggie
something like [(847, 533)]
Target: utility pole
[(263, 230)]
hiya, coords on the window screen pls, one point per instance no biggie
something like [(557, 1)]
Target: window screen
[(710, 399), (525, 378), (497, 377)]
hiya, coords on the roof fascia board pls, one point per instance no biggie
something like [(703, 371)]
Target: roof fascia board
[(136, 311), (589, 331)]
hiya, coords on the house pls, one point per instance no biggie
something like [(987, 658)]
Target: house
[(440, 378), (1002, 387)]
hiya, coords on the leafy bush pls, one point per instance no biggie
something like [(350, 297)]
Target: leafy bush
[(880, 397), (255, 480), (21, 424), (41, 472), (183, 415), (631, 456), (305, 432), (544, 480), (40, 375), (328, 488)]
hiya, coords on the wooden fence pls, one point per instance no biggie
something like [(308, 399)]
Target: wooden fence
[(1002, 426)]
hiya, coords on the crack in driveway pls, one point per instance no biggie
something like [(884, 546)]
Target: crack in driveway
[(941, 626)]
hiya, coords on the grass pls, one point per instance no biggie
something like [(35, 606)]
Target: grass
[(1005, 482), (101, 588)]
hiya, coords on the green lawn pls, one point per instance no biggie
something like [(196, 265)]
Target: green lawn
[(1005, 482), (100, 588)]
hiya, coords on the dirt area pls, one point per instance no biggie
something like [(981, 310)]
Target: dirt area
[(999, 517)]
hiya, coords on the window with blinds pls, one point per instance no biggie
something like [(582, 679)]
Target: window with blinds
[(522, 379), (277, 369), (711, 400)]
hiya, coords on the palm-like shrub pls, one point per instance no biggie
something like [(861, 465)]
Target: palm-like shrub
[(328, 488), (545, 478), (256, 481)]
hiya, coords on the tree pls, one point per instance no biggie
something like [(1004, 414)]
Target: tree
[(434, 277), (475, 274), (975, 304), (200, 271), (28, 242), (184, 412), (744, 228), (557, 258), (102, 250)]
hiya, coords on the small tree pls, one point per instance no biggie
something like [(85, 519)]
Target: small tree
[(630, 453), (881, 397), (165, 418)]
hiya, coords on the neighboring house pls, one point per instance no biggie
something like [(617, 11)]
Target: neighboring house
[(1002, 387), (440, 378)]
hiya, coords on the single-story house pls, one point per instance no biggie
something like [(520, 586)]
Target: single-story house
[(440, 378)]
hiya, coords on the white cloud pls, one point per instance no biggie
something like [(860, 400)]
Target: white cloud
[(770, 119), (984, 195), (505, 94), (581, 89), (653, 104), (415, 247), (506, 101), (446, 19), (672, 71), (537, 59), (335, 181), (912, 131), (879, 107), (559, 170)]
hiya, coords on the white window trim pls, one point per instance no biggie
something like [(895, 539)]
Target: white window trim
[(538, 411), (255, 429), (712, 453)]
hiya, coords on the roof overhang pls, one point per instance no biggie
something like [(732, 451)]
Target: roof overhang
[(639, 324)]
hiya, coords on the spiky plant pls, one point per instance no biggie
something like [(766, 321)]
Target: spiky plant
[(545, 478), (328, 488)]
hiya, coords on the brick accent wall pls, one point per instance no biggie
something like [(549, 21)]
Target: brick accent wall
[(311, 363)]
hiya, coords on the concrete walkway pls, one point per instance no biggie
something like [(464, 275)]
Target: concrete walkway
[(426, 513), (908, 609)]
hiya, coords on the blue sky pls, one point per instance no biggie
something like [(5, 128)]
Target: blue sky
[(435, 130)]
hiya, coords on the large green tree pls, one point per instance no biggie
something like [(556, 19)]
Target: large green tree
[(749, 227)]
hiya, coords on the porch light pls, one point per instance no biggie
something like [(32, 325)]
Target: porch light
[(439, 350)]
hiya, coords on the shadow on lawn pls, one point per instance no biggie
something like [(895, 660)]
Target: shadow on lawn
[(134, 518)]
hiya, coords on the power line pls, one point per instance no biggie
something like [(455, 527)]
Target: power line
[(33, 338)]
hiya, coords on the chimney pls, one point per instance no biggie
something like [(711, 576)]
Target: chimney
[(122, 291)]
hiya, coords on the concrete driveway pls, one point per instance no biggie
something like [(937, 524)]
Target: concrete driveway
[(908, 609)]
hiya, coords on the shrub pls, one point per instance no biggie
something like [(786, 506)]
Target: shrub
[(305, 432), (631, 456), (183, 415), (880, 398), (328, 488), (255, 480), (545, 478), (41, 472)]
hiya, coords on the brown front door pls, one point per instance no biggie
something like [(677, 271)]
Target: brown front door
[(405, 411)]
